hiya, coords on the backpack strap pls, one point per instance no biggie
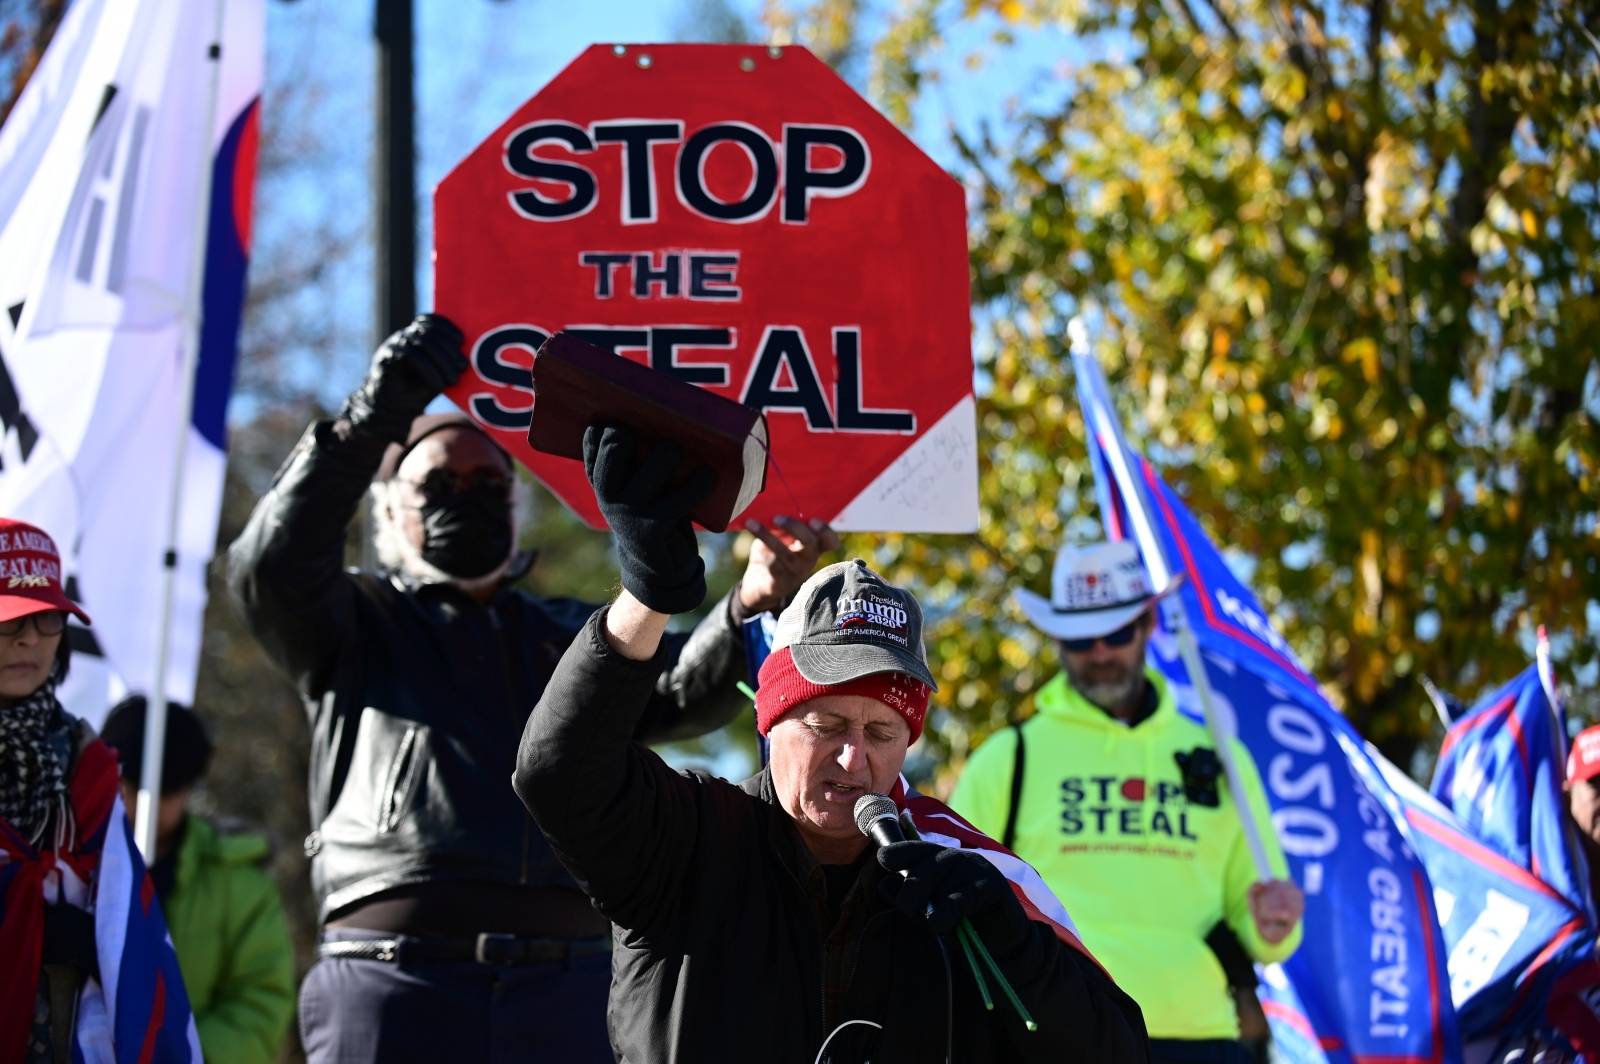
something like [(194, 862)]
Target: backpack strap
[(1009, 838)]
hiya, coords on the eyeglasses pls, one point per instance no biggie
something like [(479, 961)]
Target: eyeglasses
[(440, 483), (1120, 638), (47, 622)]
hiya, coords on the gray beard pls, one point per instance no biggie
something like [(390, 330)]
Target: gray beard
[(1109, 695)]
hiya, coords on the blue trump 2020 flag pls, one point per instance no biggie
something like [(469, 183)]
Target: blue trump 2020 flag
[(1501, 770), (1500, 773), (1369, 981)]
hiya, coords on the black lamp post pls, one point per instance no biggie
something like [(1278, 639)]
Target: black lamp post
[(394, 168)]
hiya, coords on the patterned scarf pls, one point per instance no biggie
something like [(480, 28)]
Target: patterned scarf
[(33, 781)]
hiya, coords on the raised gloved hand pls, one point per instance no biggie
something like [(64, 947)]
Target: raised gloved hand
[(941, 885), (648, 511), (408, 370)]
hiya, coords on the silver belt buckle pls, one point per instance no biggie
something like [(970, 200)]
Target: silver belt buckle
[(494, 947)]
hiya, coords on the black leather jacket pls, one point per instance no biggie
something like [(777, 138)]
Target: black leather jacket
[(418, 696)]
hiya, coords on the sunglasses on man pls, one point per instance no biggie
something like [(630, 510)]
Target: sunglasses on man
[(1120, 638)]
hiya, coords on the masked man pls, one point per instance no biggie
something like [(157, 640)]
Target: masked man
[(450, 929)]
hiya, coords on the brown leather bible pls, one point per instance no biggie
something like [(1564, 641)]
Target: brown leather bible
[(577, 384)]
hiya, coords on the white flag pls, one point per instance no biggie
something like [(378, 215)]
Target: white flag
[(133, 142)]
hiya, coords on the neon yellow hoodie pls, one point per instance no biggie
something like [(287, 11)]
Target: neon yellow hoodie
[(1143, 872)]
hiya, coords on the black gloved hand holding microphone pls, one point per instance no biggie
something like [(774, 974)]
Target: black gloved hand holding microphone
[(940, 884), (952, 890), (648, 509)]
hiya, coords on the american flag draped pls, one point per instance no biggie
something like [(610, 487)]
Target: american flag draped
[(937, 822), (136, 1010)]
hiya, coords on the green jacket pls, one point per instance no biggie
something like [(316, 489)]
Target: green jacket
[(233, 944), (1142, 871)]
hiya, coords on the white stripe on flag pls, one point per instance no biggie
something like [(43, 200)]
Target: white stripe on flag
[(1021, 875)]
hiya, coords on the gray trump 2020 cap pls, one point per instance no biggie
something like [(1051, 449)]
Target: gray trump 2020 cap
[(846, 622)]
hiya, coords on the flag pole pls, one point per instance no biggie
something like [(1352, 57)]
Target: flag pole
[(1176, 613), (155, 722), (1436, 697), (1547, 680)]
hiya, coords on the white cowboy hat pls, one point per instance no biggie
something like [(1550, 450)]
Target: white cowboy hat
[(1094, 590)]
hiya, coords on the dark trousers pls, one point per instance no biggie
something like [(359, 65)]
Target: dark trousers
[(1198, 1051), (356, 1011)]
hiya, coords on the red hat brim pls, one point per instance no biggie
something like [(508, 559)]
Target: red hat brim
[(22, 602), (783, 687)]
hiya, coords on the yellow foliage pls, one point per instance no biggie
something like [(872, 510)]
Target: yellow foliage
[(1363, 353), (1221, 342), (1298, 350), (1014, 654)]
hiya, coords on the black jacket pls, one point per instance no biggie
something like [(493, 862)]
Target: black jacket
[(417, 696), (724, 948)]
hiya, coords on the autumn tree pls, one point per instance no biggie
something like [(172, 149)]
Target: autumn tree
[(1341, 259), (831, 29), (26, 27)]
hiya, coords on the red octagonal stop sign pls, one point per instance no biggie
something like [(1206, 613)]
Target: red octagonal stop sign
[(737, 216)]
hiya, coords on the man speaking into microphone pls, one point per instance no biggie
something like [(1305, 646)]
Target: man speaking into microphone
[(756, 921)]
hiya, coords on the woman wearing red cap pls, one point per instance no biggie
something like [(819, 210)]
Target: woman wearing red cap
[(58, 787), (1583, 800)]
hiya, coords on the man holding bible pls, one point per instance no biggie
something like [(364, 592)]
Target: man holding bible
[(755, 921), (451, 931)]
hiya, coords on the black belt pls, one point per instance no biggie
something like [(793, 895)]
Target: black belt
[(488, 948)]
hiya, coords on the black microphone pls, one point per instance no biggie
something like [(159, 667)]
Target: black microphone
[(878, 819)]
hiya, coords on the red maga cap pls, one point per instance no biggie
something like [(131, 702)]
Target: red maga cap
[(1584, 760), (30, 573)]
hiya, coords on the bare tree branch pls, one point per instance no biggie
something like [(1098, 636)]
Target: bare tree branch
[(1221, 16)]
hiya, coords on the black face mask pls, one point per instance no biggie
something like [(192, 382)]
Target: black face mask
[(467, 533)]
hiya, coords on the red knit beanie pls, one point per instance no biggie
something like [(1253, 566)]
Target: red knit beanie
[(781, 688)]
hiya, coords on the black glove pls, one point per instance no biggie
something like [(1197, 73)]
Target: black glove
[(408, 370), (649, 513), (941, 885)]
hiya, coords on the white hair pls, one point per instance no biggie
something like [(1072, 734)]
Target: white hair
[(398, 554)]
